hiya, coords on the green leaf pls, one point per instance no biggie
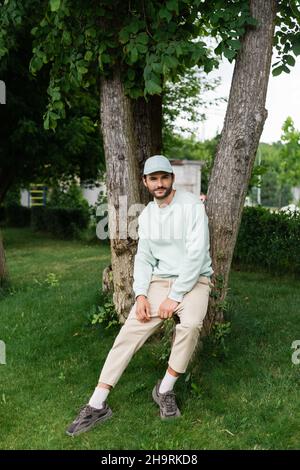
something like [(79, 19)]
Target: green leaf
[(66, 38), (142, 48), (134, 26), (124, 36), (157, 67), (235, 43), (134, 55), (170, 62), (164, 13), (289, 59), (172, 5), (277, 71), (131, 74), (88, 55), (35, 65), (178, 50), (152, 87), (54, 5), (296, 45), (142, 38), (106, 59), (82, 69), (229, 54)]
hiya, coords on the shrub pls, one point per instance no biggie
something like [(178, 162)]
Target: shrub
[(17, 216), (61, 222), (39, 218), (269, 240), (67, 197)]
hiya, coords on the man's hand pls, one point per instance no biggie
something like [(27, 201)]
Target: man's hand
[(142, 309), (167, 308)]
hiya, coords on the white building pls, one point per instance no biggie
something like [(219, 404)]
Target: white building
[(187, 175)]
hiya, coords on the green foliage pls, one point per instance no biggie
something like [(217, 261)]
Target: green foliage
[(269, 241), (61, 222), (218, 339), (274, 193), (12, 197), (104, 314), (166, 337), (228, 22), (151, 43), (290, 154), (280, 168), (17, 216), (51, 280), (67, 196), (183, 99), (29, 153), (287, 35)]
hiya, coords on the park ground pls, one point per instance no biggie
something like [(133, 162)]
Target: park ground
[(247, 398)]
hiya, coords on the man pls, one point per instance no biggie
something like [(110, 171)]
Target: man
[(172, 270)]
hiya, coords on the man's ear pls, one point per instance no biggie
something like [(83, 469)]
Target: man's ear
[(144, 181)]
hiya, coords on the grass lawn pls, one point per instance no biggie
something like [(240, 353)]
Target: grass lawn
[(246, 400)]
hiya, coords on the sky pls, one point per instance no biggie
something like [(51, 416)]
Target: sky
[(283, 100)]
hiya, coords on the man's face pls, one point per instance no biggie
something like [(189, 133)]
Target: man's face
[(159, 184)]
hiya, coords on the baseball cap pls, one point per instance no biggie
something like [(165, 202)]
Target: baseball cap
[(157, 163)]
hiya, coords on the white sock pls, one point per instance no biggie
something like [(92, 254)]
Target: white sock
[(167, 383), (99, 396)]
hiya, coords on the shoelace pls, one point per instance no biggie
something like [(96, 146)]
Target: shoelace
[(85, 410), (169, 402)]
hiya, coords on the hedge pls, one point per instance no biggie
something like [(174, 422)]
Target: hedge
[(61, 222), (269, 241), (17, 216)]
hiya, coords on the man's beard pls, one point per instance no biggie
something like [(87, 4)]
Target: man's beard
[(162, 195)]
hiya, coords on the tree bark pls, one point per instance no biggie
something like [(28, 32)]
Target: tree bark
[(128, 136), (244, 121), (147, 117)]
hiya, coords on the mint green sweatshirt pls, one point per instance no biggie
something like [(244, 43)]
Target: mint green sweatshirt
[(173, 242)]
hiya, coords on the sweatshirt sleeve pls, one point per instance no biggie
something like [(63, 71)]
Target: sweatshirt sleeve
[(197, 243), (144, 263)]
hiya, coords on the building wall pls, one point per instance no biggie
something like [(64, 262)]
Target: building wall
[(188, 176)]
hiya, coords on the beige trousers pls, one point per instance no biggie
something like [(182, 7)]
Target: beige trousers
[(133, 334)]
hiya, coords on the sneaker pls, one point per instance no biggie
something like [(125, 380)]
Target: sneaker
[(166, 402), (87, 418)]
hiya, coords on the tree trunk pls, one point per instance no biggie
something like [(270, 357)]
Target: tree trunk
[(147, 116), (127, 137), (244, 121)]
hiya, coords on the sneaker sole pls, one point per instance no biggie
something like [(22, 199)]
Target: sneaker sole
[(100, 420)]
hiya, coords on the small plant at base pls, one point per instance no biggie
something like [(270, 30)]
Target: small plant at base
[(104, 314), (218, 335)]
